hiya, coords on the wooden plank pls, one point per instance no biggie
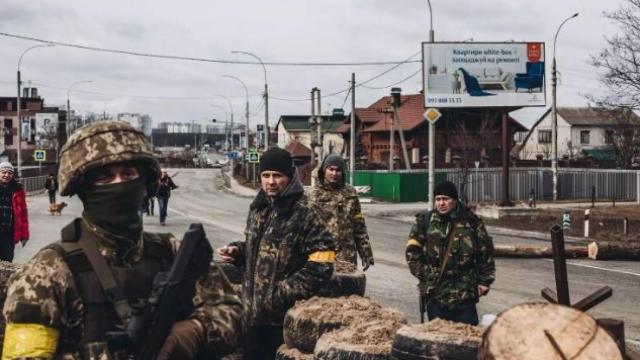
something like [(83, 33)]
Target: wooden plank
[(594, 299), (549, 295), (560, 265)]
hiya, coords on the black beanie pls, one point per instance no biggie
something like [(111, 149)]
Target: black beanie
[(333, 160), (446, 188), (277, 159)]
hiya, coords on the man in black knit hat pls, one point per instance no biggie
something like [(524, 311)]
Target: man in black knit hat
[(451, 254), (287, 254)]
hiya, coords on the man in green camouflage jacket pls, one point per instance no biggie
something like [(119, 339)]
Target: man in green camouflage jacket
[(469, 269), (345, 220), (56, 306), (288, 254)]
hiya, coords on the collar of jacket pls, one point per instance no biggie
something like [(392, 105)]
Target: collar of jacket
[(109, 245), (283, 203)]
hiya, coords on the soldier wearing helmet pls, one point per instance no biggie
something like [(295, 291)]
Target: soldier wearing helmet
[(56, 306)]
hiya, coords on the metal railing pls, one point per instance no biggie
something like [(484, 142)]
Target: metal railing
[(33, 183)]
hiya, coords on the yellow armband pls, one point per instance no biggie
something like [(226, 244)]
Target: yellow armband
[(323, 256), (29, 341), (413, 242)]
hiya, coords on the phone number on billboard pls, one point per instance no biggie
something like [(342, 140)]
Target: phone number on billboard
[(444, 100)]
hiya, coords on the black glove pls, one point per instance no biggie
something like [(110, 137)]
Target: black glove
[(184, 341)]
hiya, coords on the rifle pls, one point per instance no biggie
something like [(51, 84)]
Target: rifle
[(170, 299), (423, 306)]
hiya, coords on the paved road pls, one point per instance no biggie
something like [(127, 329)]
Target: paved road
[(200, 198)]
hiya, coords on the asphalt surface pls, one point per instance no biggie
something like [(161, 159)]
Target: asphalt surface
[(201, 198)]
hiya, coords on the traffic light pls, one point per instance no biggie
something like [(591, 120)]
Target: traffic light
[(214, 120)]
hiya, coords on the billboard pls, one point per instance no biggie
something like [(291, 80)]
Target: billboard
[(491, 74), (46, 129)]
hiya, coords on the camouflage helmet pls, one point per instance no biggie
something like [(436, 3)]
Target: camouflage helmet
[(100, 144)]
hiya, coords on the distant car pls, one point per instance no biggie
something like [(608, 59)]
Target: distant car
[(216, 164)]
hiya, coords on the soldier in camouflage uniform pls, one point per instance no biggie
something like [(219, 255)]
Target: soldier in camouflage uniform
[(56, 306), (345, 220), (470, 268), (287, 255)]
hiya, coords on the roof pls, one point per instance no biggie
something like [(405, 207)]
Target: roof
[(297, 149), (409, 113), (588, 116), (301, 122)]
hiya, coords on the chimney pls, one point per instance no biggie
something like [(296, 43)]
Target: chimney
[(34, 92), (25, 92)]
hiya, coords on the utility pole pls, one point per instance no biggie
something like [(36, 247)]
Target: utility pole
[(319, 128), (266, 117), (392, 144), (313, 133), (352, 135), (396, 102), (432, 128), (18, 165)]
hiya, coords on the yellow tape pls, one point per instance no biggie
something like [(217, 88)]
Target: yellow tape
[(413, 242), (29, 341), (359, 216), (323, 256)]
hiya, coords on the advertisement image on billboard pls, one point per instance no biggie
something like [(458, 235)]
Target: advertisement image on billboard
[(483, 74)]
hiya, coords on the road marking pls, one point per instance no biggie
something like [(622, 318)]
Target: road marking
[(233, 229), (600, 268)]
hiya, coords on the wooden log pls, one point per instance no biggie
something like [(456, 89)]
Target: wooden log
[(614, 251), (528, 251), (546, 331)]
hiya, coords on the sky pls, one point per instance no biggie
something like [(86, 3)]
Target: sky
[(327, 31)]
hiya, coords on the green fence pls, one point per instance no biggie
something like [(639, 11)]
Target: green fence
[(397, 186)]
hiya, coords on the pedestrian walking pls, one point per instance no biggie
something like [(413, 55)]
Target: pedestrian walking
[(69, 300), (451, 254), (51, 184), (14, 218), (287, 254), (344, 218), (163, 194)]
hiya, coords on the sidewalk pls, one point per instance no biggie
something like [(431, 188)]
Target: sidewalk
[(233, 186)]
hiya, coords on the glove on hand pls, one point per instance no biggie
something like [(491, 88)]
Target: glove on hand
[(184, 341)]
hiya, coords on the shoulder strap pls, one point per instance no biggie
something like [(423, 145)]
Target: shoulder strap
[(445, 258), (72, 241)]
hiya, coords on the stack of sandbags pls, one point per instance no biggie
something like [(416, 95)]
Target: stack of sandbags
[(546, 331), (310, 320), (437, 339), (346, 280)]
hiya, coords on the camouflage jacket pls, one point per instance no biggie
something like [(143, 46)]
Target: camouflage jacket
[(45, 293), (470, 260), (344, 220), (288, 255)]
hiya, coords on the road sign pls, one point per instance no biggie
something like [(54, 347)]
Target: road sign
[(254, 158), (260, 127), (432, 115), (40, 155)]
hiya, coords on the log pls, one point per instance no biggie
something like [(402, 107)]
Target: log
[(437, 339), (546, 331), (527, 251), (614, 251)]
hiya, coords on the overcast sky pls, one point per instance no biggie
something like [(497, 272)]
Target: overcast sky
[(277, 31)]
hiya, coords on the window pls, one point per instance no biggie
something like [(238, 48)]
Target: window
[(584, 137), (8, 132), (544, 136), (608, 137)]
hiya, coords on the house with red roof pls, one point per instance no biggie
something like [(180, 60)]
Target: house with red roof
[(470, 133)]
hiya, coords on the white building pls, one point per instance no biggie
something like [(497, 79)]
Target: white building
[(580, 130), (293, 128)]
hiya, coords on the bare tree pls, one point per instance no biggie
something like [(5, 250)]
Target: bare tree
[(619, 62), (624, 136)]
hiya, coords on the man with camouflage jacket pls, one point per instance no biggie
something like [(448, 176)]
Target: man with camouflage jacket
[(288, 254), (451, 253), (344, 216), (60, 305)]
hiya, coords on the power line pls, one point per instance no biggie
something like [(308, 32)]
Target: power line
[(394, 84), (187, 58)]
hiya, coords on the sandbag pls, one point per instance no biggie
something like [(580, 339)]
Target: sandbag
[(437, 339), (358, 341), (543, 331), (286, 353), (309, 319)]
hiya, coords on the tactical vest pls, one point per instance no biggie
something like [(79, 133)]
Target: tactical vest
[(135, 282)]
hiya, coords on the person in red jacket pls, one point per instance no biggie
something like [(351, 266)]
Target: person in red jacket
[(14, 219)]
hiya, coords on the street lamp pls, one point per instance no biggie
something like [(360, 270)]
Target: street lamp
[(430, 22), (19, 159), (246, 91), (265, 95), (69, 103), (554, 114), (231, 110)]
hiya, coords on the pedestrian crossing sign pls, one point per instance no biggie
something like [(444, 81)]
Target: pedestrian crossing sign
[(40, 155), (254, 157)]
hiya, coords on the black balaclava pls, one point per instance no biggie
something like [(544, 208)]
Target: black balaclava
[(115, 208)]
